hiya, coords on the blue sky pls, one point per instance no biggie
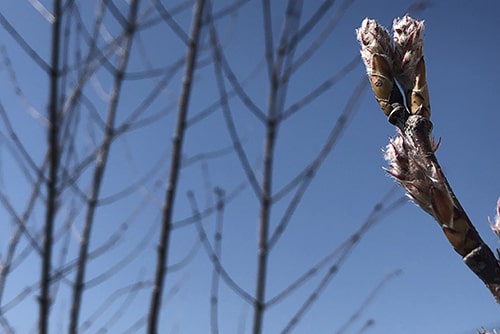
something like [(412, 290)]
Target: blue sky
[(434, 293)]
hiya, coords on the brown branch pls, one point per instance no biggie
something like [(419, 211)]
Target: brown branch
[(411, 154)]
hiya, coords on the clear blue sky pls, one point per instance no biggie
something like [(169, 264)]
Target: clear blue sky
[(435, 293)]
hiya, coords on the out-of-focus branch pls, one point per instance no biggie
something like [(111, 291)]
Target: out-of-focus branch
[(233, 133), (277, 93), (380, 210), (214, 299), (202, 234), (411, 154), (367, 301), (173, 178), (102, 158), (52, 179)]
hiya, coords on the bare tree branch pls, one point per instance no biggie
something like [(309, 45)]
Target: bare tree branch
[(173, 178), (102, 158), (52, 193)]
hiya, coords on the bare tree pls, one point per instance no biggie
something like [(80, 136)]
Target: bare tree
[(123, 227)]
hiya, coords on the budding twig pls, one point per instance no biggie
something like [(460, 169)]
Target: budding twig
[(410, 154)]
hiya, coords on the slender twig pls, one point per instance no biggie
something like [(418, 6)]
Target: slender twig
[(237, 87), (233, 133), (217, 264), (380, 210), (368, 323), (167, 17), (210, 210), (320, 39), (214, 291), (367, 301), (79, 285), (304, 178), (129, 291), (276, 99), (25, 45), (334, 268), (268, 36), (173, 178), (321, 88), (14, 240)]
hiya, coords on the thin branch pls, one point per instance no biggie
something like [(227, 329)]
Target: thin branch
[(24, 45), (14, 240), (20, 148), (230, 94), (334, 268), (213, 257), (368, 300), (304, 178), (276, 99), (52, 192), (320, 89), (78, 287), (237, 87), (268, 36), (18, 90), (167, 17), (173, 178), (318, 41), (233, 133), (380, 210), (311, 23), (129, 291), (368, 323), (214, 291), (210, 210)]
